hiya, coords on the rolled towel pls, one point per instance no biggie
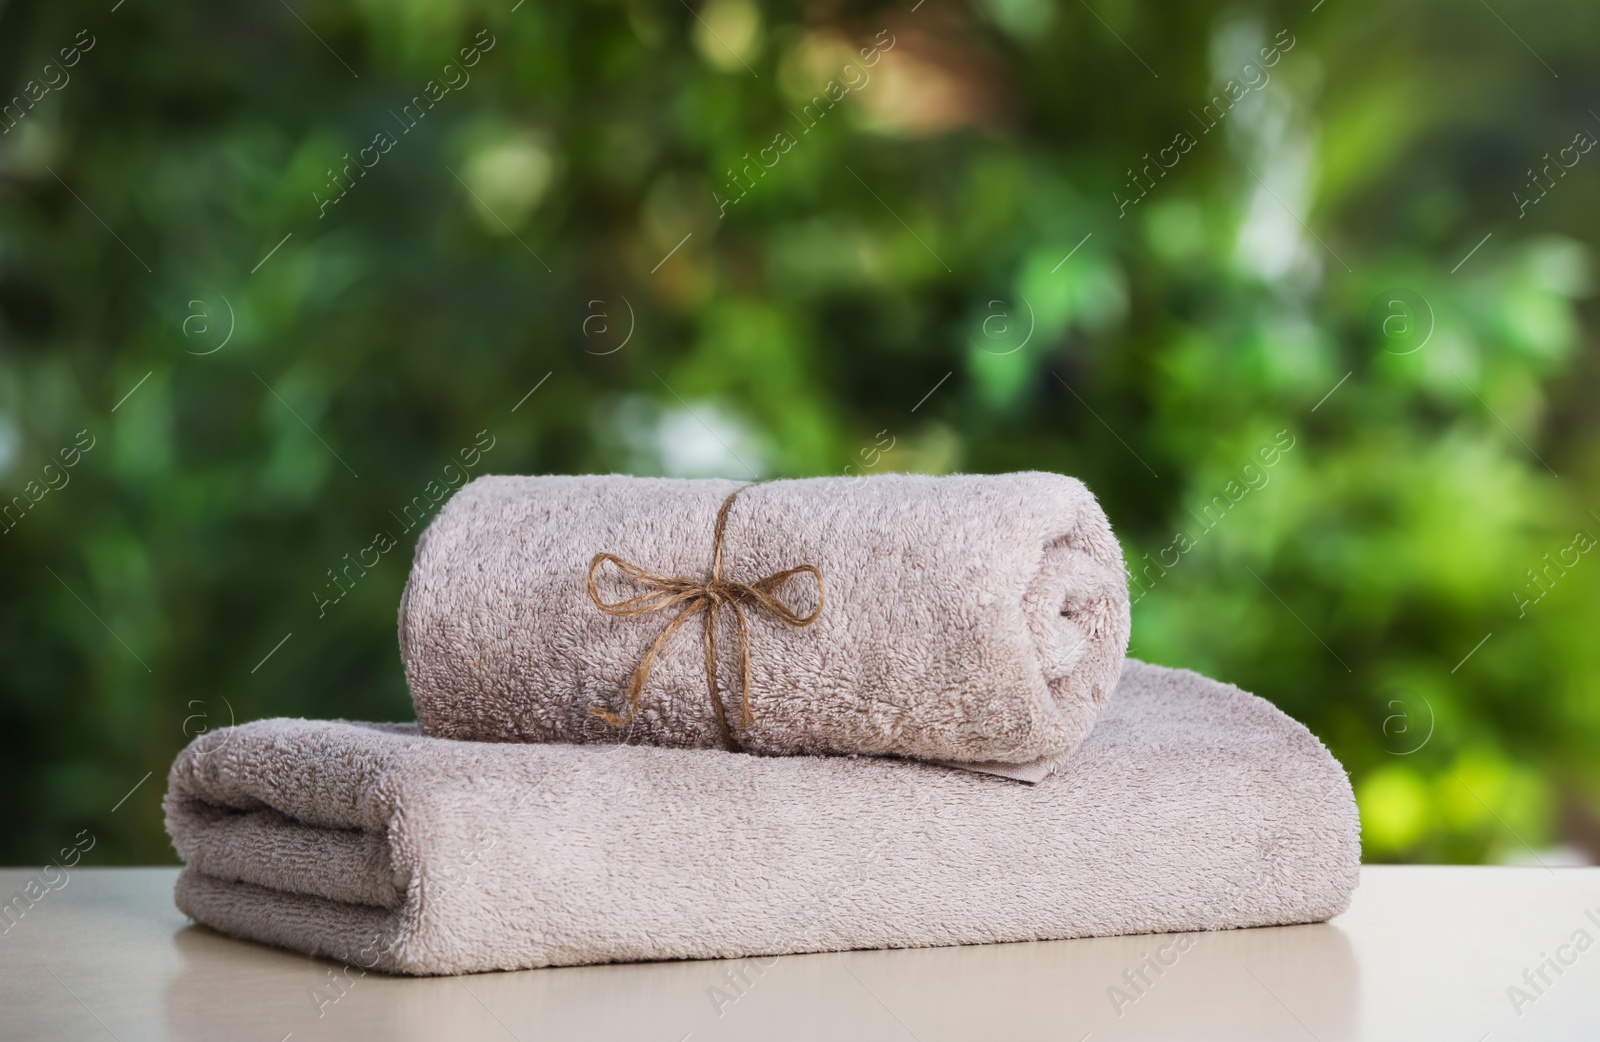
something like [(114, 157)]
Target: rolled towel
[(973, 620), (1191, 806)]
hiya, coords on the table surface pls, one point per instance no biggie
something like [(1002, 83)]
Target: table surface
[(1423, 953)]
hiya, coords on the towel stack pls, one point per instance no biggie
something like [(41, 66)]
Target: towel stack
[(694, 719)]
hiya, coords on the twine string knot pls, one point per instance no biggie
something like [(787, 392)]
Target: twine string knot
[(691, 597)]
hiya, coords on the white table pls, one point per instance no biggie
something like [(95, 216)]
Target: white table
[(1424, 953)]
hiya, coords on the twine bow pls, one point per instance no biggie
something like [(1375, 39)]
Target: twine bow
[(709, 595)]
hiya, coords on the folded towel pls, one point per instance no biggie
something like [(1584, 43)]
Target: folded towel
[(974, 620), (1192, 806)]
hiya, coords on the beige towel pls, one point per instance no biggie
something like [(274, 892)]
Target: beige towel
[(977, 620), (1192, 806)]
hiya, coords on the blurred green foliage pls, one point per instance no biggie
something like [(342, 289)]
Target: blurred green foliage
[(820, 258)]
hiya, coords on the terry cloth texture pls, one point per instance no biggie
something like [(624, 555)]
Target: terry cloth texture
[(974, 620), (1192, 806)]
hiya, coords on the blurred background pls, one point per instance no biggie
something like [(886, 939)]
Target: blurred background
[(1303, 291)]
